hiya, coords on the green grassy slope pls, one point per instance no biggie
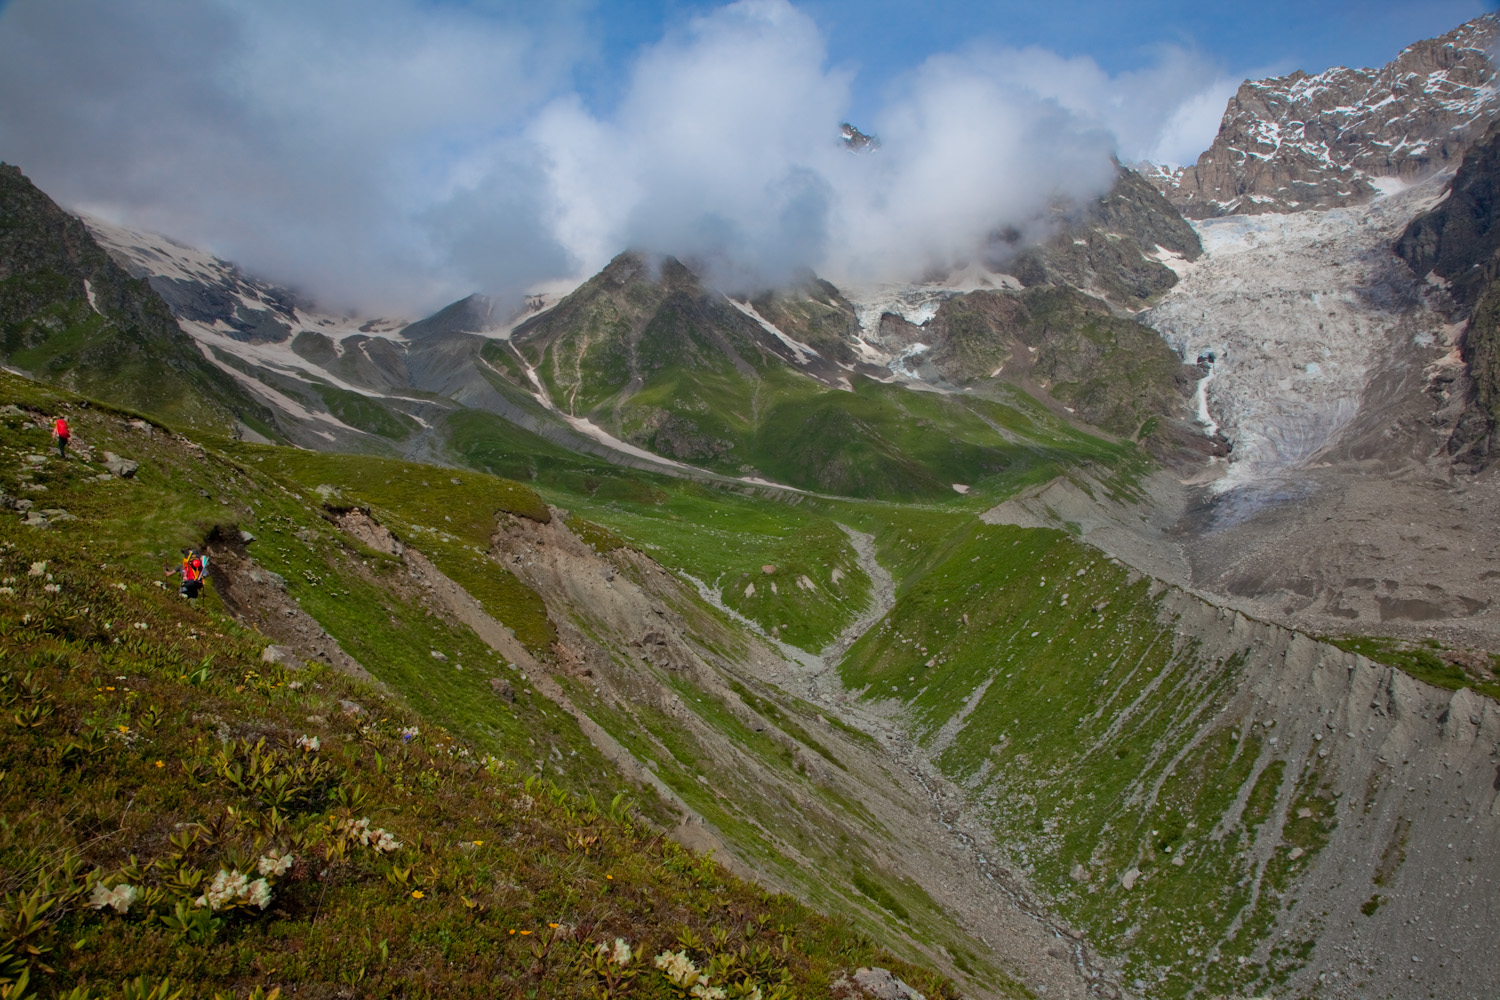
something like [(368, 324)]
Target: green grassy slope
[(151, 747), (661, 361), (1040, 675)]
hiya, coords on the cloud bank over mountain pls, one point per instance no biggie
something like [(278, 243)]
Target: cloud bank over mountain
[(397, 154)]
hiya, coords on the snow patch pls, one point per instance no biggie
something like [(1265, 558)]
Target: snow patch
[(803, 353)]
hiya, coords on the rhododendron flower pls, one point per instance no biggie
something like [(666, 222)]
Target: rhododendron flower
[(275, 866), (309, 743), (259, 894), (678, 967), (119, 898)]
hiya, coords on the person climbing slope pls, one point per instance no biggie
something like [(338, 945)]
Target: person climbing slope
[(61, 432), (194, 567)]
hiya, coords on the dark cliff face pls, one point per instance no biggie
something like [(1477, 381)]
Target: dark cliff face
[(70, 315), (1458, 238), (1459, 243), (1109, 247)]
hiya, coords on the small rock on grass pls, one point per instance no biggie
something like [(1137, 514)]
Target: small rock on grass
[(351, 707), (502, 687), (283, 655), (46, 518), (873, 984)]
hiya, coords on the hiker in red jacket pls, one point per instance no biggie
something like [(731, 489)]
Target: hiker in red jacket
[(193, 569), (61, 432)]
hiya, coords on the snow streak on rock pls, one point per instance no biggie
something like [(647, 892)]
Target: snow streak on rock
[(1344, 135)]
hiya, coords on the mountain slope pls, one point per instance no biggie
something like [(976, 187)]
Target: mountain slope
[(654, 357), (423, 830), (1340, 136), (1113, 247), (69, 314)]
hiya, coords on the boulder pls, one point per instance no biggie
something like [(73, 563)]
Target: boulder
[(261, 575), (872, 984), (120, 468), (282, 655), (502, 687)]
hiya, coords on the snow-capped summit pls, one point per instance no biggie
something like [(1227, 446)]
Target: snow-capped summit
[(1343, 136)]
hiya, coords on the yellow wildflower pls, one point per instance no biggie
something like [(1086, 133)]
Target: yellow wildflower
[(418, 894)]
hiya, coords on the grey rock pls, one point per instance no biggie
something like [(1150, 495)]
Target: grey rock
[(264, 576), (120, 468), (284, 656), (351, 707), (246, 537), (874, 984), (47, 517), (502, 687)]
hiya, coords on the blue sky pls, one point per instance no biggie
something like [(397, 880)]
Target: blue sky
[(392, 155), (884, 38)]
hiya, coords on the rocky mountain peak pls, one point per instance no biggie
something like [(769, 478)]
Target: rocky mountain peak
[(856, 140), (1306, 141)]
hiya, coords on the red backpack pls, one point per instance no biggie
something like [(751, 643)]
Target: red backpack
[(60, 428)]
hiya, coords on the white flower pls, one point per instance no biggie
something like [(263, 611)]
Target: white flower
[(294, 685), (622, 954), (259, 893), (7, 590), (678, 967), (37, 568), (52, 588), (385, 843), (358, 829), (119, 898), (410, 733), (309, 743), (275, 866), (704, 992), (226, 888), (119, 586)]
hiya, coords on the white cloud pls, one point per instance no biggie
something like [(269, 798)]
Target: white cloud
[(395, 154), (303, 141)]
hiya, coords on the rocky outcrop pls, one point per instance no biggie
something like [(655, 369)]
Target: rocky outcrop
[(1106, 370), (1456, 246), (1113, 247), (1341, 136)]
